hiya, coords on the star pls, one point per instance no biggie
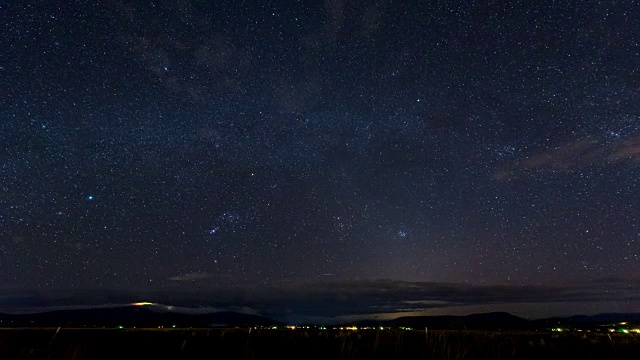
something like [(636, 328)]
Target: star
[(291, 149)]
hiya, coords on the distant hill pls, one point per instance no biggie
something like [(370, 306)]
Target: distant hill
[(590, 320), (150, 316), (500, 321), (486, 321), (130, 316), (605, 318)]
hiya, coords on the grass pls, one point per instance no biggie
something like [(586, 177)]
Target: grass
[(168, 343)]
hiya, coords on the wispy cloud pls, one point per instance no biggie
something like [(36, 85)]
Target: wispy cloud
[(358, 298), (627, 151), (193, 276), (577, 154)]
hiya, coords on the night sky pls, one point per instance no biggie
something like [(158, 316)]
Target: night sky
[(189, 146)]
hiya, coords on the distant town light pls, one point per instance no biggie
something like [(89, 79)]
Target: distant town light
[(142, 303)]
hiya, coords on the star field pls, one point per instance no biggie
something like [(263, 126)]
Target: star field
[(162, 145)]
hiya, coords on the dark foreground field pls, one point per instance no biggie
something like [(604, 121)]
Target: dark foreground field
[(310, 344)]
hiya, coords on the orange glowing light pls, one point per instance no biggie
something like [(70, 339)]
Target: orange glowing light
[(142, 303)]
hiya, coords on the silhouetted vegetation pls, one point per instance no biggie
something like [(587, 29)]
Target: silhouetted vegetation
[(252, 343)]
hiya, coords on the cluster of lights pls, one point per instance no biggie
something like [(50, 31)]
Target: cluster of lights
[(624, 330), (293, 327), (353, 328), (611, 329)]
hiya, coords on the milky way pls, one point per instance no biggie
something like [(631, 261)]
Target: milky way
[(182, 144)]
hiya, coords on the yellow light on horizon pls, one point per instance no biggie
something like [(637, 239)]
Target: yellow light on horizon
[(142, 303)]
